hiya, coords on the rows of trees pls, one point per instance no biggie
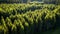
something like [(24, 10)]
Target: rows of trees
[(14, 21), (8, 9)]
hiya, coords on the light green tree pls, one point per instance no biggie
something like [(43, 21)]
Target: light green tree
[(4, 25)]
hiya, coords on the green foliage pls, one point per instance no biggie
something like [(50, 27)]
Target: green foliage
[(28, 19)]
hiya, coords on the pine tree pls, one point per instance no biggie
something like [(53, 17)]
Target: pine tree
[(21, 27), (8, 22), (4, 24)]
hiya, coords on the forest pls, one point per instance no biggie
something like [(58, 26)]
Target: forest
[(20, 17), (28, 1)]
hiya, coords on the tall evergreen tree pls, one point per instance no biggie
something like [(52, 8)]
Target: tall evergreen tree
[(4, 25)]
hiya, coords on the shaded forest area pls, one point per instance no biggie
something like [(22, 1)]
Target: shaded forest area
[(27, 1)]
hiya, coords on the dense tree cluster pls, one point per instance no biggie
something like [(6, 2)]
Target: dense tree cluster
[(28, 19)]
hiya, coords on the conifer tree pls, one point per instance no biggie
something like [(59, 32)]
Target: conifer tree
[(4, 25)]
